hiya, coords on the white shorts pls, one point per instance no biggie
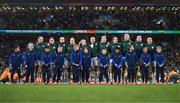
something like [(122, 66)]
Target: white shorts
[(94, 61), (111, 62), (39, 63), (66, 63)]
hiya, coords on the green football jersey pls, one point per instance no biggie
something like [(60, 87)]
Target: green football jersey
[(70, 48), (94, 49), (124, 47), (39, 48), (104, 45), (113, 46), (138, 46), (52, 48), (152, 50)]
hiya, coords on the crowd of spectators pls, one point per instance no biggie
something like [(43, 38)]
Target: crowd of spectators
[(90, 19)]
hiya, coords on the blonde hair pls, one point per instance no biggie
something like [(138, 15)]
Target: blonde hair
[(76, 45), (158, 47)]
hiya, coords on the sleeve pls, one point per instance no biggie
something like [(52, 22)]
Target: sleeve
[(36, 58), (108, 60), (99, 60), (25, 59), (35, 47), (51, 59), (136, 57), (80, 62), (113, 61), (63, 58), (90, 60), (65, 48), (21, 59), (142, 59), (126, 57), (42, 58), (110, 48), (149, 59), (10, 60), (156, 61), (71, 58), (121, 60)]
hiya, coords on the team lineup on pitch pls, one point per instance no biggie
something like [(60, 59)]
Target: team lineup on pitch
[(110, 63), (109, 51)]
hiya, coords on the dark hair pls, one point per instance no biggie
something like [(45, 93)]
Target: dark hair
[(86, 48), (103, 48), (129, 46), (16, 46)]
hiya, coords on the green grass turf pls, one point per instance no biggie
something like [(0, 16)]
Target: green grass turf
[(90, 93)]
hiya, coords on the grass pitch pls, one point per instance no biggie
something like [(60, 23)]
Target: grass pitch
[(90, 93)]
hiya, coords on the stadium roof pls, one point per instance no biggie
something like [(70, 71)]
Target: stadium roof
[(93, 2)]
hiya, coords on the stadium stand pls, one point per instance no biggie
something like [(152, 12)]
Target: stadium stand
[(75, 18)]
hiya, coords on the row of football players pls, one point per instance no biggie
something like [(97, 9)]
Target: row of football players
[(80, 58)]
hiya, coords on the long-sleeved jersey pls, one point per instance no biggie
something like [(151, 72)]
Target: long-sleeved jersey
[(15, 59), (76, 57)]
